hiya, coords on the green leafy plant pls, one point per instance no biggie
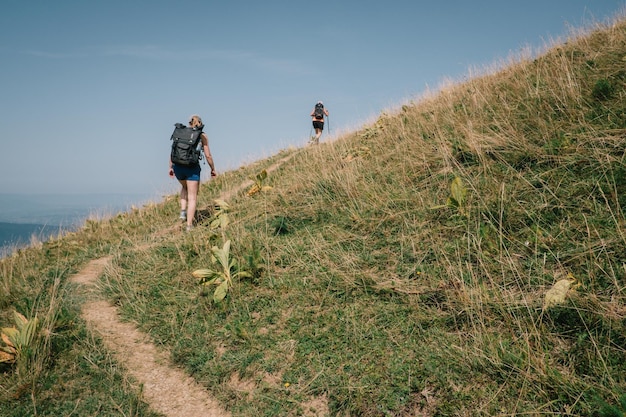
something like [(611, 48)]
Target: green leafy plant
[(559, 291), (255, 262), (223, 274), (258, 186), (220, 218), (457, 197), (18, 341)]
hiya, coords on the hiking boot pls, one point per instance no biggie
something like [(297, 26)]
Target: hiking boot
[(189, 228), (183, 215)]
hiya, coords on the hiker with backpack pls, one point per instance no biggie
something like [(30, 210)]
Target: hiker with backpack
[(185, 164), (318, 114)]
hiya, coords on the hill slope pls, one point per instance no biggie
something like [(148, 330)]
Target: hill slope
[(401, 270)]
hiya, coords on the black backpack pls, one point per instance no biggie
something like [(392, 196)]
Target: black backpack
[(319, 111), (185, 149)]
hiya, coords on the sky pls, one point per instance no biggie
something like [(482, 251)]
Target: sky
[(90, 90)]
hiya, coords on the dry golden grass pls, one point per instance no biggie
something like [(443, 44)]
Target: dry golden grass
[(372, 288)]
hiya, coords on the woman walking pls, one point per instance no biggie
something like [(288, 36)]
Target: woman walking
[(189, 177)]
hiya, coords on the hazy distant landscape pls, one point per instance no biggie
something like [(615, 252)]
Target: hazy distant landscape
[(41, 216), (15, 235)]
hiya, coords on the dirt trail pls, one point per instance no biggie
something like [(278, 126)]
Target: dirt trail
[(166, 388)]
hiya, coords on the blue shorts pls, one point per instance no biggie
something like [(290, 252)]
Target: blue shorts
[(187, 173)]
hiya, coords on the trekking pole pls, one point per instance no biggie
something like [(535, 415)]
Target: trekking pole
[(328, 117)]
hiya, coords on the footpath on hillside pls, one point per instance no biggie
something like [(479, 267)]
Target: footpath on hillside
[(166, 388)]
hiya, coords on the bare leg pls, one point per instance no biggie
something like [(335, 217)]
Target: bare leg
[(183, 194), (318, 133), (192, 197), (183, 199)]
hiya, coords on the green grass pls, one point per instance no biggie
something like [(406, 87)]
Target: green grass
[(369, 290)]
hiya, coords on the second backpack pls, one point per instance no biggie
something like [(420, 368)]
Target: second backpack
[(319, 111)]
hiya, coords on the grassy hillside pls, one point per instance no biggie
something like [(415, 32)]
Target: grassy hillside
[(401, 270)]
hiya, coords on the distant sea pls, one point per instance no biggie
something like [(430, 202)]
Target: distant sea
[(35, 218)]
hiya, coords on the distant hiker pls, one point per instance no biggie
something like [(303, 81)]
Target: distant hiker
[(185, 164), (318, 114)]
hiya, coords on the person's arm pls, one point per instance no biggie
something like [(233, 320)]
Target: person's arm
[(171, 170), (326, 113), (207, 154)]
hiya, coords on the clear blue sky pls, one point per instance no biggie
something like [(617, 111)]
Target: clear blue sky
[(90, 90)]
